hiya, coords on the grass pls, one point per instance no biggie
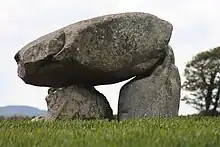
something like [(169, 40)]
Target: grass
[(176, 132)]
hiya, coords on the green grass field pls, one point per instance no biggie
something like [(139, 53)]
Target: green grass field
[(176, 132)]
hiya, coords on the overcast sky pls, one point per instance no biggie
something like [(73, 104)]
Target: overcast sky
[(196, 28)]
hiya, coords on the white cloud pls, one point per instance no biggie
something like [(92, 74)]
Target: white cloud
[(196, 28)]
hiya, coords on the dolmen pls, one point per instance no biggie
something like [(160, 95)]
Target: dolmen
[(105, 50)]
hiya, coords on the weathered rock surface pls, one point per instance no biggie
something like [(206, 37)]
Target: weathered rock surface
[(102, 50), (157, 94), (77, 102)]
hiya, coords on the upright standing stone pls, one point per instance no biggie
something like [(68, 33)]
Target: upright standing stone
[(77, 102), (157, 94)]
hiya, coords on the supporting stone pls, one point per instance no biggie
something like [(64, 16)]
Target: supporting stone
[(157, 94), (77, 102)]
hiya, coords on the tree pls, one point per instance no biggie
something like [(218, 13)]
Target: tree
[(202, 81)]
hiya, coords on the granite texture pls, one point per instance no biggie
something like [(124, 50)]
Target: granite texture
[(77, 102), (156, 94), (101, 50)]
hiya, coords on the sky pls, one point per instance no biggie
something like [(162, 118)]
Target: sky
[(196, 28)]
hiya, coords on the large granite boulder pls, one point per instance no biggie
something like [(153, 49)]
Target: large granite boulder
[(77, 102), (156, 94), (102, 50)]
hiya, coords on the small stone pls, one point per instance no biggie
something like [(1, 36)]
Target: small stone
[(38, 118)]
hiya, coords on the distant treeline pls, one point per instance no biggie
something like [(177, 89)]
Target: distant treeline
[(203, 113), (24, 117), (16, 117)]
